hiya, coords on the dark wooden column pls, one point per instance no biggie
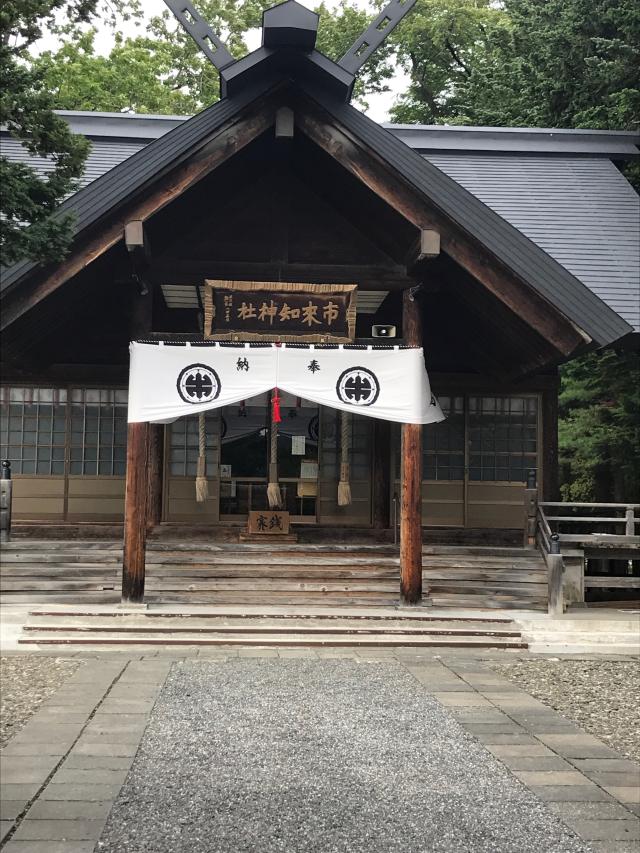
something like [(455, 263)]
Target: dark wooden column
[(549, 461), (156, 457), (381, 474), (135, 513), (411, 477), (141, 480)]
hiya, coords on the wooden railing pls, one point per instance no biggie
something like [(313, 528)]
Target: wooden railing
[(564, 515), (619, 541)]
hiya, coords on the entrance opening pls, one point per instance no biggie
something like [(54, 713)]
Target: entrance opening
[(245, 432)]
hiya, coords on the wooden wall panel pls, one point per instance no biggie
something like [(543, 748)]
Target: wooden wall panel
[(496, 505), (95, 498), (181, 503), (38, 498), (442, 503)]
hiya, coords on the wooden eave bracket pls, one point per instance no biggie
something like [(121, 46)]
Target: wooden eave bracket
[(425, 248), (139, 251)]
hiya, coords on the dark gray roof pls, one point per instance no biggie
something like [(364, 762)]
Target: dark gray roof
[(549, 198), (115, 186), (527, 260), (615, 144), (581, 211)]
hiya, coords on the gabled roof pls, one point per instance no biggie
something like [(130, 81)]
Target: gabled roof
[(528, 261), (114, 187), (520, 254)]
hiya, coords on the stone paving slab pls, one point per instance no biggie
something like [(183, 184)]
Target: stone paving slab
[(523, 736), (300, 754), (49, 846)]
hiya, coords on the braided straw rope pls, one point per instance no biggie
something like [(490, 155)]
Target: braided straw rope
[(202, 488), (274, 495), (344, 487)]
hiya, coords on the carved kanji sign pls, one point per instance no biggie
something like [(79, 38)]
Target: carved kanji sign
[(268, 521), (276, 311)]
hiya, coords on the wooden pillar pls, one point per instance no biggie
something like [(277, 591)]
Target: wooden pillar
[(411, 477), (156, 458), (135, 513), (549, 461), (381, 474), (140, 481)]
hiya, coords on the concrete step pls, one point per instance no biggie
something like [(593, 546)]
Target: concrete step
[(270, 641)]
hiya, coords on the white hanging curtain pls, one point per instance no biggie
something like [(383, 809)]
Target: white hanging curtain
[(168, 381)]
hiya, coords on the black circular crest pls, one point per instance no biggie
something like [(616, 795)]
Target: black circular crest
[(198, 383), (314, 428), (358, 386)]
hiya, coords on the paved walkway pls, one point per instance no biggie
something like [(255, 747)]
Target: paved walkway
[(296, 750)]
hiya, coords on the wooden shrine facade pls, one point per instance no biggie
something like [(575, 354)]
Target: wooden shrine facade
[(282, 181)]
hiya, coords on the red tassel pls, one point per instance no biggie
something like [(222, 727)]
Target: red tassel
[(276, 407)]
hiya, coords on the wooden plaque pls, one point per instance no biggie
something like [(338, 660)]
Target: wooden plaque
[(279, 311), (268, 521)]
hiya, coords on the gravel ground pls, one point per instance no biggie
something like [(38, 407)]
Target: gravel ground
[(25, 682), (334, 756), (603, 697)]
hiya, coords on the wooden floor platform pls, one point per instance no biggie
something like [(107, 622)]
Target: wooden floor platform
[(231, 573)]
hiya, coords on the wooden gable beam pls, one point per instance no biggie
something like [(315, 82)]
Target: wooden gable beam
[(337, 141), (226, 142)]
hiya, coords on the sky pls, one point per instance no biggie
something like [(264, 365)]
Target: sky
[(379, 104)]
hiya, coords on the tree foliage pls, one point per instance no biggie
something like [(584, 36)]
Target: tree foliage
[(531, 63), (163, 71), (599, 431), (26, 109)]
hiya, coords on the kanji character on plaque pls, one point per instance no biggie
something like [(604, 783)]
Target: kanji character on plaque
[(289, 313), (246, 311), (309, 312), (268, 312), (330, 312)]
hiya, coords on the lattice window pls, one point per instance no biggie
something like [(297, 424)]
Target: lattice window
[(183, 445), (32, 429), (98, 431), (443, 443), (503, 438)]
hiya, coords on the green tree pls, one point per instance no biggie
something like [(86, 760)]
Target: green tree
[(441, 44), (163, 71), (568, 63), (538, 63), (26, 109), (599, 430)]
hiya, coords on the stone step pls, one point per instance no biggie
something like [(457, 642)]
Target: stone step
[(183, 625), (245, 639), (382, 615)]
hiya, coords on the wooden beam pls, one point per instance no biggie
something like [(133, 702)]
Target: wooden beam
[(186, 271), (226, 142), (381, 487), (468, 252), (411, 476), (135, 514)]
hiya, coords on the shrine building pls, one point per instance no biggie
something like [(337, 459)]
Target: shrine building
[(345, 327)]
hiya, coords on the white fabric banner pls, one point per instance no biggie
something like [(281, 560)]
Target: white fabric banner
[(168, 381)]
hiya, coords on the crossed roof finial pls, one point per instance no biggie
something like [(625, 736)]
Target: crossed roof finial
[(290, 25)]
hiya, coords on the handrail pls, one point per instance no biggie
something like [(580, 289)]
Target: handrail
[(592, 505), (629, 520)]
